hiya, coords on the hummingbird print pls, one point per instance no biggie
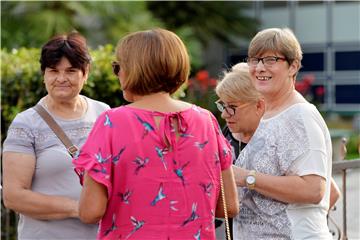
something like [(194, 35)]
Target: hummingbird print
[(225, 152), (185, 135), (100, 158), (140, 163), (107, 121), (201, 145), (125, 196), (116, 158), (159, 196), (102, 170), (172, 205), (212, 221), (147, 126), (161, 152), (217, 159), (180, 171), (193, 215), (113, 226), (137, 225), (207, 188), (197, 234)]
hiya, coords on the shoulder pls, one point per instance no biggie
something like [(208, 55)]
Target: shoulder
[(28, 118), (97, 104)]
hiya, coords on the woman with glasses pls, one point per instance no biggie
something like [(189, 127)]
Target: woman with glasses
[(151, 169), (285, 170), (241, 106), (236, 90), (39, 181)]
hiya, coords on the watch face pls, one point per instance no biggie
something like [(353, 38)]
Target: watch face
[(250, 180)]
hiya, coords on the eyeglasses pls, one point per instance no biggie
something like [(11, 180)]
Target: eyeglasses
[(116, 68), (230, 109), (267, 61)]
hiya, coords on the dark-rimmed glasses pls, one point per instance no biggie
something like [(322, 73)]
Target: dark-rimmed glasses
[(116, 68), (229, 109), (267, 61)]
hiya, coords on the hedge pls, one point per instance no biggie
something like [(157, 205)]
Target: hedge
[(22, 82)]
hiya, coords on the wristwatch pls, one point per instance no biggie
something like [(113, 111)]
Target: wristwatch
[(250, 180)]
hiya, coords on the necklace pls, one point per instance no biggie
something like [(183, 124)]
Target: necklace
[(64, 110)]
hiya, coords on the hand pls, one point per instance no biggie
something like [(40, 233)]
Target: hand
[(240, 175)]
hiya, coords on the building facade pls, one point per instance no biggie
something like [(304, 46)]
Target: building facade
[(329, 33)]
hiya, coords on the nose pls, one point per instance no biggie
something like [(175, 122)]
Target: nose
[(260, 66), (225, 115), (61, 77)]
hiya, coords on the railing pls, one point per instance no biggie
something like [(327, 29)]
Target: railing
[(342, 167)]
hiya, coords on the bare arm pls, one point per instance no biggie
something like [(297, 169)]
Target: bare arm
[(18, 171), (289, 189), (93, 201), (334, 193), (231, 196)]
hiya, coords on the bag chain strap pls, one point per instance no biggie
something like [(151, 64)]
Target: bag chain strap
[(223, 196)]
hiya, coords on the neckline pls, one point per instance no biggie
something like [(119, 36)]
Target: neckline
[(284, 111), (64, 119), (158, 112)]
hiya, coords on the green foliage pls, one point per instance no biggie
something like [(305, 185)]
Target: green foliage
[(353, 147), (222, 20), (22, 81)]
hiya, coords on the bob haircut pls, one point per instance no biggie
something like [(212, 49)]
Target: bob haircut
[(153, 61), (72, 46), (276, 40), (236, 85)]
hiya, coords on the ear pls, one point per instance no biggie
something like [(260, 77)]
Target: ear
[(260, 107), (86, 74), (294, 68)]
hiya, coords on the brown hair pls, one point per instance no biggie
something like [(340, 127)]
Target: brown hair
[(236, 85), (72, 46), (153, 61), (277, 40)]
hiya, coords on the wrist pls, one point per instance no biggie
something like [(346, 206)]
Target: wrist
[(250, 179)]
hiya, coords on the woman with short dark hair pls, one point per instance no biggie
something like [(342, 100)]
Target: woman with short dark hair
[(38, 178)]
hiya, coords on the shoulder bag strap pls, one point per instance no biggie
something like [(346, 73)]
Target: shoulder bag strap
[(223, 195), (70, 147)]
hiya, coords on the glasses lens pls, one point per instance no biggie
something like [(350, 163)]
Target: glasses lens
[(220, 106), (269, 61), (252, 61), (230, 111), (116, 68)]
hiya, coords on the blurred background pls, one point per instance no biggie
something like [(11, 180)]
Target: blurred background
[(217, 34)]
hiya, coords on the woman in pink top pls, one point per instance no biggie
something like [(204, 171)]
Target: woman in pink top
[(152, 168)]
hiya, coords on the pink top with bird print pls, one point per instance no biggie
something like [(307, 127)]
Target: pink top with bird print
[(160, 185)]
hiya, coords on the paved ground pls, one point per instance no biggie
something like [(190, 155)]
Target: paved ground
[(353, 204)]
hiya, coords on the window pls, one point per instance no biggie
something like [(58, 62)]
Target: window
[(347, 94), (347, 60), (312, 62)]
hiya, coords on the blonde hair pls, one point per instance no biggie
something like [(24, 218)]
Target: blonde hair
[(153, 61), (277, 40), (236, 85)]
